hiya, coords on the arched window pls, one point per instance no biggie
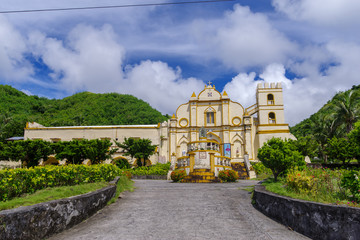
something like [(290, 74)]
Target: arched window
[(210, 116), (270, 99), (272, 119)]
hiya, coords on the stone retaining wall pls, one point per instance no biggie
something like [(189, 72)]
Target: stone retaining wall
[(44, 219), (315, 220)]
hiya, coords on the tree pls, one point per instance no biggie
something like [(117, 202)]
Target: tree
[(340, 149), (323, 128), (307, 146), (72, 151), (347, 110), (141, 149), (354, 139), (28, 151), (279, 156), (98, 150)]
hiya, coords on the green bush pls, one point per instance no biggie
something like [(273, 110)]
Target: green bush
[(157, 169), (14, 182), (178, 175), (122, 163), (351, 181), (228, 176)]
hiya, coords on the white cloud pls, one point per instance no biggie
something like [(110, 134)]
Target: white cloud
[(91, 59), (244, 39), (160, 85), (13, 65), (324, 12), (27, 92), (242, 89)]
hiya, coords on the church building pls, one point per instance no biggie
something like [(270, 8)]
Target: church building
[(209, 126)]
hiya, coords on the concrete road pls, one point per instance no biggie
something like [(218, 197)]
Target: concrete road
[(159, 209)]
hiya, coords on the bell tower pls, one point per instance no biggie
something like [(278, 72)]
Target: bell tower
[(271, 121), (270, 104)]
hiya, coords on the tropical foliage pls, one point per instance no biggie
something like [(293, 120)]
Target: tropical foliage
[(15, 182), (334, 120), (29, 152), (138, 148), (121, 163), (17, 108)]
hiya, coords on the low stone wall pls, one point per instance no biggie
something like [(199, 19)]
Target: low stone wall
[(44, 219), (152, 177), (315, 220)]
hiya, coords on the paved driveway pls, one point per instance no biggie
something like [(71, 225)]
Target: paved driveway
[(159, 209)]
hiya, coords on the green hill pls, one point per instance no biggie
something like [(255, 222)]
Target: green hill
[(328, 115), (81, 109)]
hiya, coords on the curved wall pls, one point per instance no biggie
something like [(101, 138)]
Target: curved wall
[(315, 220)]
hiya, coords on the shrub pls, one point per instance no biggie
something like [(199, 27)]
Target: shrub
[(127, 174), (122, 163), (178, 175), (261, 170), (228, 176), (300, 182), (321, 184), (157, 169), (351, 181), (15, 182)]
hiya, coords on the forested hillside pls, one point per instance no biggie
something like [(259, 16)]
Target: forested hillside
[(335, 120), (16, 108), (337, 114)]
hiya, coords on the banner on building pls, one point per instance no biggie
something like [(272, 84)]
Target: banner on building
[(227, 150)]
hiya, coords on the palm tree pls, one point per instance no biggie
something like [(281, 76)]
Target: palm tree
[(347, 110), (324, 128)]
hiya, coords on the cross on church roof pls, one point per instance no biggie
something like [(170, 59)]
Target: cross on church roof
[(209, 83)]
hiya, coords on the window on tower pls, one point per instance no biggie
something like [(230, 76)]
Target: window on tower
[(270, 99), (272, 119)]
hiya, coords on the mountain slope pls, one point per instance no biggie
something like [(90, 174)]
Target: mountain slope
[(307, 127)]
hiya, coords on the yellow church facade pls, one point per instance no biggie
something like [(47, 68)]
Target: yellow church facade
[(210, 121)]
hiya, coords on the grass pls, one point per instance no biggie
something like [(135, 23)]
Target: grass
[(124, 184), (50, 194), (248, 188)]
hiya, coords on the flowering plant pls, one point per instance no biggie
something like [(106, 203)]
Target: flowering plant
[(228, 176)]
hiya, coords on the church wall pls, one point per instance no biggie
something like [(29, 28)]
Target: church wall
[(111, 132)]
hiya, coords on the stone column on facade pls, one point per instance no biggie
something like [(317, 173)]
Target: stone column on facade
[(192, 161), (172, 133), (212, 162), (173, 162), (248, 138)]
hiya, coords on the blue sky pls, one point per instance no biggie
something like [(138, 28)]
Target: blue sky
[(162, 54)]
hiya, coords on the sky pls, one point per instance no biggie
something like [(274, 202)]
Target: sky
[(162, 54)]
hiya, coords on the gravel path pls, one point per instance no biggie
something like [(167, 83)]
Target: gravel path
[(159, 209)]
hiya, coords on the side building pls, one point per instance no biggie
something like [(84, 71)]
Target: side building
[(208, 121)]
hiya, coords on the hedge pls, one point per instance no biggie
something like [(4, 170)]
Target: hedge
[(15, 182), (157, 169)]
